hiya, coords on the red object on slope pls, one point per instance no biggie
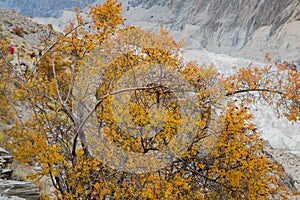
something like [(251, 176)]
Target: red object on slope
[(11, 49)]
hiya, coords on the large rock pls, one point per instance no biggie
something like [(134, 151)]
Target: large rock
[(5, 160), (10, 189), (3, 152), (5, 173), (26, 190), (11, 198)]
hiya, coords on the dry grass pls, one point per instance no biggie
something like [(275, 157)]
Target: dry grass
[(2, 138), (20, 172)]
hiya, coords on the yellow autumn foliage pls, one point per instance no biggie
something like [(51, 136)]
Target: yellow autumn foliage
[(146, 98)]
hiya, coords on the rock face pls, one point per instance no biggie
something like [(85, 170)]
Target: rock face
[(10, 189), (5, 160), (37, 8), (237, 26), (25, 190)]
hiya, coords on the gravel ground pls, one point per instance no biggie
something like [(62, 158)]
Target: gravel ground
[(290, 163)]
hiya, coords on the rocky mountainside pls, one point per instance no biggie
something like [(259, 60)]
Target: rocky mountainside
[(24, 34), (236, 26), (37, 8)]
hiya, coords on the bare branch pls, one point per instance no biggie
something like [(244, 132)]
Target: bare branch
[(252, 90), (55, 80)]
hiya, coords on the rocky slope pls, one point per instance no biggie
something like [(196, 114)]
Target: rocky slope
[(37, 8), (24, 34), (235, 26)]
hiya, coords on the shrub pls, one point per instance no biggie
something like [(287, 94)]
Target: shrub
[(18, 31)]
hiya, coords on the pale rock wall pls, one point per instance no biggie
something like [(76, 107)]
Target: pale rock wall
[(236, 26)]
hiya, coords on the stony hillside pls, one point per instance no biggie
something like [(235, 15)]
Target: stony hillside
[(23, 33), (235, 26), (37, 8)]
